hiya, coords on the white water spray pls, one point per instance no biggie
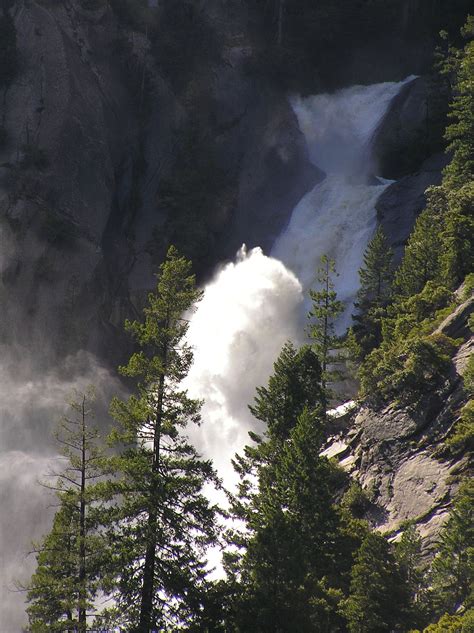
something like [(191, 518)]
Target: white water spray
[(247, 313)]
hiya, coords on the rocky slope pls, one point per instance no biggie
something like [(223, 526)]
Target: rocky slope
[(398, 455)]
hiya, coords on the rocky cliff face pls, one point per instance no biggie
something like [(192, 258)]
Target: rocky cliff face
[(398, 455), (81, 167)]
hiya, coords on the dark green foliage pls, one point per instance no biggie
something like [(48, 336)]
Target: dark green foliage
[(322, 317), (460, 132), (162, 523), (356, 500), (407, 372), (72, 558), (457, 258), (438, 256), (408, 555), (287, 575), (8, 49), (453, 624), (292, 558), (376, 277), (453, 567), (422, 259), (293, 387), (378, 596)]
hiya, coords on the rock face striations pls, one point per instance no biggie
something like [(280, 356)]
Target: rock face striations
[(399, 456), (93, 126)]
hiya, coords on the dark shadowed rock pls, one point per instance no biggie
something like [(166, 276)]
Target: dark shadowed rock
[(402, 202), (406, 135), (456, 324)]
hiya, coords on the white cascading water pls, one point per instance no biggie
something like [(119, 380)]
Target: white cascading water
[(338, 216), (254, 305)]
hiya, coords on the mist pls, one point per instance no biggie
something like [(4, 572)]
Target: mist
[(32, 400)]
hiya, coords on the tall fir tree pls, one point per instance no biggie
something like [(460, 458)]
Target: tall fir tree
[(453, 567), (163, 522), (322, 317), (376, 278), (378, 597), (422, 258), (71, 560), (283, 572)]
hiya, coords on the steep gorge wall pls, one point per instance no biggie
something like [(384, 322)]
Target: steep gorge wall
[(92, 128)]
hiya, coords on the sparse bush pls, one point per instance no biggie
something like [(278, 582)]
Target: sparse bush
[(356, 500)]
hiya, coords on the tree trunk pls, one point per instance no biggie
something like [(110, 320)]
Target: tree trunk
[(82, 529), (148, 587)]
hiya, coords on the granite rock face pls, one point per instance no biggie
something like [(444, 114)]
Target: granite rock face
[(398, 455), (82, 166)]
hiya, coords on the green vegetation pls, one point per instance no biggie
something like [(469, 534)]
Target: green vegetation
[(72, 558), (411, 357), (373, 297), (161, 522), (324, 311), (378, 596), (136, 526)]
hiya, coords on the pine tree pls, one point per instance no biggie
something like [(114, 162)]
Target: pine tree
[(422, 258), (408, 554), (71, 558), (163, 522), (376, 277), (322, 316), (282, 575), (378, 597), (453, 567), (293, 386)]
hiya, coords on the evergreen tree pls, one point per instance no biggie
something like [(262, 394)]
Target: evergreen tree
[(460, 132), (163, 522), (422, 258), (408, 555), (285, 573), (453, 567), (71, 558), (378, 598), (374, 294), (293, 386), (322, 316)]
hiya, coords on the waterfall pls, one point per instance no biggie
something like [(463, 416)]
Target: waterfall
[(338, 216), (248, 311), (254, 305)]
